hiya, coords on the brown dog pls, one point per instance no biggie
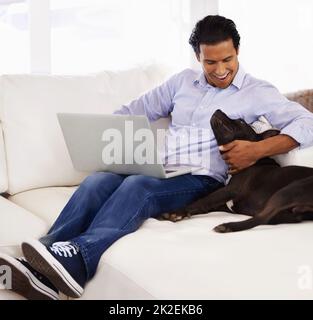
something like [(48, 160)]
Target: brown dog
[(265, 191)]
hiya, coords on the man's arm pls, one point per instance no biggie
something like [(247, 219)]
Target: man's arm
[(275, 145), (240, 154), (293, 120), (156, 103)]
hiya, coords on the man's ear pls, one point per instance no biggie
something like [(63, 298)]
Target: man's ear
[(268, 133)]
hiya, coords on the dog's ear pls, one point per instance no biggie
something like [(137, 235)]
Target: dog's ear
[(268, 133)]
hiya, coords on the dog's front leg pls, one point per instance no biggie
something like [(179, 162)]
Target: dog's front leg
[(211, 202), (205, 204)]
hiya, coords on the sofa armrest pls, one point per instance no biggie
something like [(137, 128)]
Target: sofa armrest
[(18, 224)]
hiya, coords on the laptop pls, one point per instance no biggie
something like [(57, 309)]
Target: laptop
[(95, 142)]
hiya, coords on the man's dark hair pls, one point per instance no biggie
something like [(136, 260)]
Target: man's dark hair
[(213, 30)]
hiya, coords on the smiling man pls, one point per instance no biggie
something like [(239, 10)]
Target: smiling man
[(108, 206), (215, 41), (220, 62)]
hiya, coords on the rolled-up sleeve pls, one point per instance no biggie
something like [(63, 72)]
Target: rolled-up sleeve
[(155, 104), (289, 117)]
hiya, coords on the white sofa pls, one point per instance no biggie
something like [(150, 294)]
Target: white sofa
[(162, 260)]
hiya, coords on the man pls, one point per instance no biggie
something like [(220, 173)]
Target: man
[(108, 206)]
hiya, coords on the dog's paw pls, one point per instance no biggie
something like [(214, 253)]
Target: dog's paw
[(175, 216), (223, 228)]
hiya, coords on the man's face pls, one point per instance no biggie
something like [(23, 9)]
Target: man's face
[(219, 63)]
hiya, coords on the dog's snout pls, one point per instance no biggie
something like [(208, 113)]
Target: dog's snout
[(219, 117), (219, 113)]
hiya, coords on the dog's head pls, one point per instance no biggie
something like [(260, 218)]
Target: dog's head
[(227, 130)]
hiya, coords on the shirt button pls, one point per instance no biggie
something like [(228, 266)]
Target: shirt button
[(193, 124)]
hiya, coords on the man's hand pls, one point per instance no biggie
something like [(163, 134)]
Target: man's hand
[(239, 154)]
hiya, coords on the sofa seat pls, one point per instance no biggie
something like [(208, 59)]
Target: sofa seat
[(17, 224), (192, 260), (187, 260), (45, 203)]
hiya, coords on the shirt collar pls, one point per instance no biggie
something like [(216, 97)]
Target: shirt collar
[(239, 77), (237, 82)]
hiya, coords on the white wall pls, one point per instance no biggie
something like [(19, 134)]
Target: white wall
[(14, 35), (276, 39), (78, 36), (198, 10), (39, 36)]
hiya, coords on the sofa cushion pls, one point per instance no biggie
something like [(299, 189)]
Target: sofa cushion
[(112, 283), (187, 260), (3, 166), (296, 157), (45, 203), (35, 149), (18, 224)]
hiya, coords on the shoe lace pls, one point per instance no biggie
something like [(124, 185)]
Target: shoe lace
[(66, 249)]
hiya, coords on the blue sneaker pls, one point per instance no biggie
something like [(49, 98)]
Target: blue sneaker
[(61, 263), (28, 282)]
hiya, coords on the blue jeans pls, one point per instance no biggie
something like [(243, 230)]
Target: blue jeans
[(107, 206)]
